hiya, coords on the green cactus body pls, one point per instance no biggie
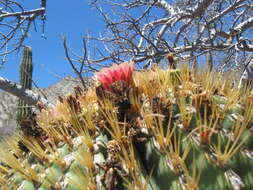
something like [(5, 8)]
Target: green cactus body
[(26, 71), (157, 129)]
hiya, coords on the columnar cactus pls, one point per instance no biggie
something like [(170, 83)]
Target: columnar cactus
[(154, 129), (25, 75)]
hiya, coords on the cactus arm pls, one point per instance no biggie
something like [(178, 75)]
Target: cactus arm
[(26, 68), (26, 71)]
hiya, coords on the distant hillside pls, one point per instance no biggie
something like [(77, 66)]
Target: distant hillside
[(8, 102)]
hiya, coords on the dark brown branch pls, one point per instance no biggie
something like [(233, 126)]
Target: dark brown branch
[(77, 72)]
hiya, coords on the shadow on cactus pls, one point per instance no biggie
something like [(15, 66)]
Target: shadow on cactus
[(152, 129)]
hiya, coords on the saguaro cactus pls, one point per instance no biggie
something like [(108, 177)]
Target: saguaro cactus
[(26, 70)]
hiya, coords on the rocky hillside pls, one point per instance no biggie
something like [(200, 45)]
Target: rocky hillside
[(8, 102)]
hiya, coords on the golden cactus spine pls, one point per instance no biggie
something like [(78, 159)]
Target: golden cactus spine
[(154, 129)]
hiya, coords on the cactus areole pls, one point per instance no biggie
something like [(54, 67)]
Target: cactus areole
[(147, 130)]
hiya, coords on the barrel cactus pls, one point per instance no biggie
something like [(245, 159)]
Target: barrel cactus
[(25, 77), (140, 130)]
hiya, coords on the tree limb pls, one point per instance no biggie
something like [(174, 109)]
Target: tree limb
[(28, 96)]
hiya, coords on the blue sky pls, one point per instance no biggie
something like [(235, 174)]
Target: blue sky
[(71, 18)]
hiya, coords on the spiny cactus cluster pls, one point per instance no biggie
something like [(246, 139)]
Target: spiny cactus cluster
[(25, 77), (152, 129)]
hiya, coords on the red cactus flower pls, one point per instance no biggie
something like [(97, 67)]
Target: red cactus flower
[(122, 72)]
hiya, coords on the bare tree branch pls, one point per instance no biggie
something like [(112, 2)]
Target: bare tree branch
[(28, 96), (145, 31), (244, 25), (5, 14), (78, 71), (15, 24)]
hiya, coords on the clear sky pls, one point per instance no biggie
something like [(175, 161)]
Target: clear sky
[(64, 17)]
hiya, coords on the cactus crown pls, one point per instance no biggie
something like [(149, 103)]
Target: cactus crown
[(166, 129), (25, 77)]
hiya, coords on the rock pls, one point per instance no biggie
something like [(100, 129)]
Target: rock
[(8, 109), (8, 102)]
